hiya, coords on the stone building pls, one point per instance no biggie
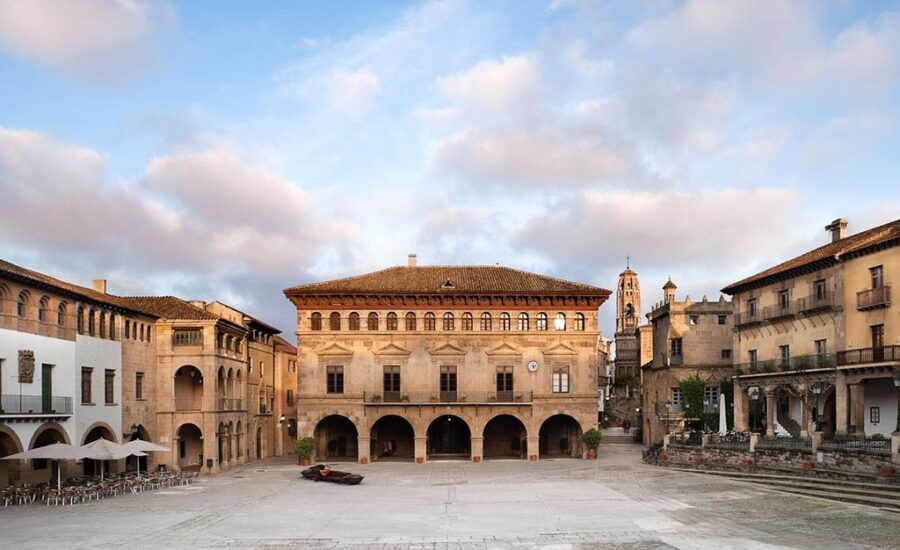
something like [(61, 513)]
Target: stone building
[(686, 339), (414, 362), (817, 339), (285, 397), (625, 395)]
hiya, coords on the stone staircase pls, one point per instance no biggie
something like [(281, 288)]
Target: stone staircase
[(616, 436), (880, 495), (788, 424)]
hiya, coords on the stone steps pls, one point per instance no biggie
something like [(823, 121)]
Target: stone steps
[(884, 496), (620, 438)]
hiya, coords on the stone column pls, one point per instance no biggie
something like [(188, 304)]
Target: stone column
[(804, 410), (534, 445), (477, 448), (421, 449), (895, 447), (817, 441), (840, 404), (754, 439), (741, 410), (770, 410), (858, 407), (362, 449)]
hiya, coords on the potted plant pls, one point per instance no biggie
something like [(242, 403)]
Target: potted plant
[(434, 397), (888, 471), (518, 397), (808, 465), (492, 397), (305, 446), (376, 397), (462, 397), (592, 439), (404, 398)]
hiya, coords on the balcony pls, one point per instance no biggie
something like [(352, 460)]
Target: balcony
[(780, 311), (863, 356), (873, 298), (747, 318), (443, 397), (792, 364), (816, 302), (229, 404), (32, 405)]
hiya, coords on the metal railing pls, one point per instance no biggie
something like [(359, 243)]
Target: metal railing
[(732, 440), (779, 311), (868, 355), (747, 317), (790, 443), (687, 439), (426, 397), (816, 301), (35, 404), (874, 297), (848, 442), (791, 364)]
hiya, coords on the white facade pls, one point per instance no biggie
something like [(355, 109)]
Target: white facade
[(99, 355), (882, 396)]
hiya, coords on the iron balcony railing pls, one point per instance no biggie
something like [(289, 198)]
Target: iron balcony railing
[(874, 297), (775, 442), (823, 300), (791, 364), (35, 404), (744, 318), (692, 439), (868, 445), (732, 440), (868, 355), (426, 397), (780, 311)]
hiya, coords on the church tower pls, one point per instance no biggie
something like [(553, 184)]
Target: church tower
[(628, 302)]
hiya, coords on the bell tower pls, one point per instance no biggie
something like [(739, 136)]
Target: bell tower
[(628, 301)]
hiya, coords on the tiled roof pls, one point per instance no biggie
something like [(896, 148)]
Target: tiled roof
[(169, 307), (448, 280), (829, 253), (40, 279), (252, 319), (283, 345)]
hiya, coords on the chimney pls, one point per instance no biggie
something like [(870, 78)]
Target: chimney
[(99, 285), (838, 229), (198, 303), (411, 260)]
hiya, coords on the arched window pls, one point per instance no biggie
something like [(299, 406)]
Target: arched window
[(504, 321), (354, 321), (128, 332), (579, 321), (486, 321), (410, 321), (468, 322), (334, 321), (560, 322), (523, 321), (629, 310), (91, 322), (42, 309), (22, 304), (392, 321), (372, 321), (315, 321), (112, 326), (61, 314), (102, 324), (148, 332), (80, 320), (541, 321), (290, 397), (430, 321), (448, 321), (142, 332)]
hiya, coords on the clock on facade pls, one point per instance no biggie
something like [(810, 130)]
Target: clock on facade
[(532, 366)]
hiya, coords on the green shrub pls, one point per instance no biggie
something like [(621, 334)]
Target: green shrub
[(592, 438), (305, 446)]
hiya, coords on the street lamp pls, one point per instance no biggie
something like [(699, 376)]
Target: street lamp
[(897, 384), (754, 397), (668, 408), (816, 389)]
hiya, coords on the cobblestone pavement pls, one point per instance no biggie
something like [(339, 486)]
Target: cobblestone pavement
[(614, 502)]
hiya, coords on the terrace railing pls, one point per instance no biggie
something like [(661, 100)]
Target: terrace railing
[(733, 440), (857, 443), (687, 439), (799, 363), (873, 298), (787, 443), (426, 397), (35, 404), (868, 355)]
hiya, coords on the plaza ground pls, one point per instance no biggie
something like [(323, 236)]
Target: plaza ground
[(613, 502)]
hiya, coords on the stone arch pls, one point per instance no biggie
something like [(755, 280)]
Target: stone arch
[(46, 426), (336, 437), (560, 436), (504, 435), (392, 436), (239, 436), (9, 444), (190, 446), (448, 435), (133, 462), (188, 388), (101, 425), (94, 432), (16, 446)]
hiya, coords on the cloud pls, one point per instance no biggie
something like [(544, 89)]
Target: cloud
[(576, 56), (493, 85), (354, 91), (90, 39)]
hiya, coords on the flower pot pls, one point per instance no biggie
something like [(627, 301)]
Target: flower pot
[(592, 453), (533, 458), (888, 471), (305, 461), (476, 459), (420, 459), (364, 460)]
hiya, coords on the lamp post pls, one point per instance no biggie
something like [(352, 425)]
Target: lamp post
[(668, 408), (754, 397), (897, 384), (816, 389)]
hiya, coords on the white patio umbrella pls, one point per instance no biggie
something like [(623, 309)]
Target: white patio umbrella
[(144, 447), (723, 422), (55, 451), (104, 449)]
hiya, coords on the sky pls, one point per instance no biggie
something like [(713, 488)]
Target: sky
[(227, 150)]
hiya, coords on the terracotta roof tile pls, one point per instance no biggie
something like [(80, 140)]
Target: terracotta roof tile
[(448, 280), (169, 307), (830, 252), (283, 345)]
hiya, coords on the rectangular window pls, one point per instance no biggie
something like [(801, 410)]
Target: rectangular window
[(187, 337), (694, 319), (751, 308), (676, 347), (877, 273), (711, 397), (821, 290), (752, 357), (820, 347), (784, 299), (874, 415), (335, 379), (505, 378), (391, 379), (109, 387), (721, 319), (785, 352), (676, 398), (138, 385), (726, 354), (560, 379), (86, 374), (448, 378)]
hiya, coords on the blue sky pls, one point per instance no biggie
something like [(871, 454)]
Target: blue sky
[(226, 150)]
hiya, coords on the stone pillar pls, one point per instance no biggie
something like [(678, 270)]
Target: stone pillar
[(704, 440), (362, 449), (895, 447), (754, 439), (804, 410), (477, 448), (858, 407), (421, 449), (666, 442), (817, 441), (840, 404), (741, 410), (770, 411), (534, 444)]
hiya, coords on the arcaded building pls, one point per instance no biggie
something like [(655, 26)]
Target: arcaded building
[(417, 362)]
